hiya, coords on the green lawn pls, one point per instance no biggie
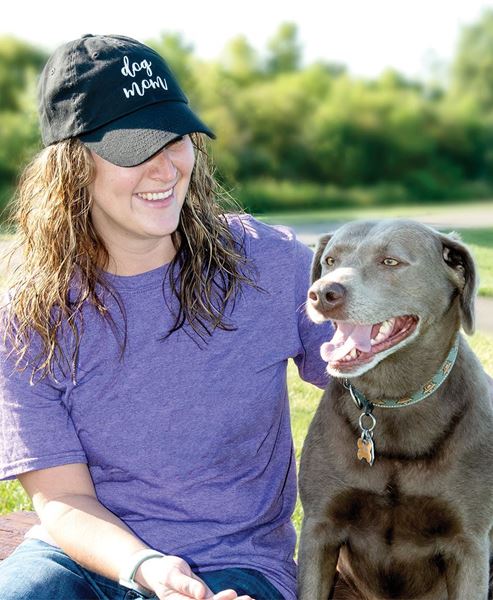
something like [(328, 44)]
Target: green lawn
[(304, 397), (304, 400), (392, 211), (480, 241)]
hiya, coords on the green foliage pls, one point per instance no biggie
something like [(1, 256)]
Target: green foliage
[(19, 64), (263, 195), (307, 135), (284, 50), (19, 136), (473, 65), (241, 62)]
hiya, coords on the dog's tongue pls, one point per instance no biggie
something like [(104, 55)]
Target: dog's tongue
[(347, 337)]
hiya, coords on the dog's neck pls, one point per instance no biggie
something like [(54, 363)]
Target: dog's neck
[(395, 432), (393, 378), (426, 388)]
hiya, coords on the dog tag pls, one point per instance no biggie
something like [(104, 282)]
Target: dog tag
[(366, 448)]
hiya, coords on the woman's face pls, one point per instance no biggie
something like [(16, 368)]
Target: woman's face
[(136, 209)]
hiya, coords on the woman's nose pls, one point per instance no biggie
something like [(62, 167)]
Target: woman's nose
[(162, 166)]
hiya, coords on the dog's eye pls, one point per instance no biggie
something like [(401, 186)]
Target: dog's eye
[(330, 260), (390, 262)]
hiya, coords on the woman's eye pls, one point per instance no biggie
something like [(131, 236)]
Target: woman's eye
[(330, 260), (390, 262)]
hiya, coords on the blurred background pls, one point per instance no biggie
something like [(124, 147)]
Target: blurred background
[(316, 105), (324, 112)]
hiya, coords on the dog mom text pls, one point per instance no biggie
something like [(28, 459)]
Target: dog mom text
[(132, 69)]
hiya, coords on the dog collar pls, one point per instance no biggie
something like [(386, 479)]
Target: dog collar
[(424, 391), (366, 448)]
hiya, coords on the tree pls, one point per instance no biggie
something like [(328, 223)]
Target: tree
[(241, 62), (472, 73), (284, 50), (19, 65)]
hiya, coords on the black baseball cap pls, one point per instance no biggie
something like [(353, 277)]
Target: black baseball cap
[(115, 94)]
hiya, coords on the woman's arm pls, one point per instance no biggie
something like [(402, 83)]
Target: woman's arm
[(66, 503)]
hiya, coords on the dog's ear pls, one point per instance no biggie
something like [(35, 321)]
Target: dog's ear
[(316, 266), (460, 260)]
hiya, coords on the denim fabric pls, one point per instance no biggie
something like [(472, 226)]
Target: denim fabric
[(38, 571), (243, 581)]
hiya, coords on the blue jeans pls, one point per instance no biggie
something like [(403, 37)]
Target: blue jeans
[(38, 571)]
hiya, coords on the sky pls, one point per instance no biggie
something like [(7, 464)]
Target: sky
[(416, 37)]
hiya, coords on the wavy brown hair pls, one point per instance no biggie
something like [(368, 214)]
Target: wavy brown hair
[(64, 258)]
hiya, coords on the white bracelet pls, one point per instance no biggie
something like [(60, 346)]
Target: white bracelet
[(129, 570)]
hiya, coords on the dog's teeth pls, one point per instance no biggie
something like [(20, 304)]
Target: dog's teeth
[(386, 327), (353, 353)]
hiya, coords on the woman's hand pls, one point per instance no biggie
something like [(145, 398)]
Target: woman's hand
[(171, 578)]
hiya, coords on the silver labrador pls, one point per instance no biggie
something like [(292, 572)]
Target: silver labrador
[(396, 475)]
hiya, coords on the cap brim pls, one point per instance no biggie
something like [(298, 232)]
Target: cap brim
[(134, 138)]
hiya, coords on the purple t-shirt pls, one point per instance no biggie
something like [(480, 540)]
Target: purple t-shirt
[(188, 443)]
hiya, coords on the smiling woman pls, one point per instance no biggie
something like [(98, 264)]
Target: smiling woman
[(143, 399)]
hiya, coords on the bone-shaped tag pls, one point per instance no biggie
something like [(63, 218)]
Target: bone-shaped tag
[(366, 449)]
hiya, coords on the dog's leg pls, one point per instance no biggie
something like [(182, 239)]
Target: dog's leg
[(317, 560), (468, 576)]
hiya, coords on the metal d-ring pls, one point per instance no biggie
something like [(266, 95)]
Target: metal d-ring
[(373, 422)]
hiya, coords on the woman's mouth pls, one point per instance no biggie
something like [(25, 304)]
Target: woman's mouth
[(157, 199)]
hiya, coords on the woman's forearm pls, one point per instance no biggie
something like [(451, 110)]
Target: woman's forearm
[(90, 534)]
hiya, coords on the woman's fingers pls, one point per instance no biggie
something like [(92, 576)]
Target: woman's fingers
[(230, 595), (225, 595), (188, 586), (208, 591)]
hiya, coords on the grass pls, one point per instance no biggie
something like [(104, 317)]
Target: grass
[(13, 497), (480, 242), (304, 400), (378, 212)]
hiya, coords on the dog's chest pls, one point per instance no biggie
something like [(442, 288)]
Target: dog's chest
[(392, 539), (394, 516)]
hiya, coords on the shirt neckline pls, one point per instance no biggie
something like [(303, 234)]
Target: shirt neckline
[(149, 279)]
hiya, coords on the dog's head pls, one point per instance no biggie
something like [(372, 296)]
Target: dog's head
[(384, 282)]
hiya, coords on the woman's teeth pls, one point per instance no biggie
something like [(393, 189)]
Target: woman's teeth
[(156, 195)]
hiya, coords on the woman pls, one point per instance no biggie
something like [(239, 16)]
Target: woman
[(143, 375)]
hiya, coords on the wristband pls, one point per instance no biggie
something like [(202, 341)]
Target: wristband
[(128, 571)]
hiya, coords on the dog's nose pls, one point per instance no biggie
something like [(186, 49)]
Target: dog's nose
[(328, 296)]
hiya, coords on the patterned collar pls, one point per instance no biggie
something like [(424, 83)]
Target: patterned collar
[(424, 391)]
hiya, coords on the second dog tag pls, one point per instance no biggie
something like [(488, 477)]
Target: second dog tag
[(366, 448)]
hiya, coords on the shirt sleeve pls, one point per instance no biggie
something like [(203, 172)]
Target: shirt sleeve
[(310, 365), (36, 430)]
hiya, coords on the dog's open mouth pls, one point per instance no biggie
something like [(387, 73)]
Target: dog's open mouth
[(354, 344)]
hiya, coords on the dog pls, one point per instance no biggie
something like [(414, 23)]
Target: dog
[(396, 472)]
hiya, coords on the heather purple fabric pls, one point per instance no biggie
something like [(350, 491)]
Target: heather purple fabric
[(188, 443)]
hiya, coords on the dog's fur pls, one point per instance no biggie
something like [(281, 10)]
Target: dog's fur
[(418, 523)]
